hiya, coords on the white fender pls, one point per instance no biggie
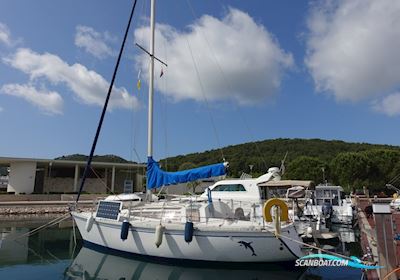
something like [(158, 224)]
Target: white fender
[(89, 223), (159, 235)]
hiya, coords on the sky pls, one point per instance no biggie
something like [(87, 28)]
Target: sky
[(238, 71)]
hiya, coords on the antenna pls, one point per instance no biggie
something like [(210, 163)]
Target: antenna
[(391, 187), (282, 168)]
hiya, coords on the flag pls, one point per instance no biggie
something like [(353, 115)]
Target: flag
[(162, 72), (138, 82)]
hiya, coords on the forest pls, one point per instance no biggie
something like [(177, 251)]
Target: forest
[(351, 165)]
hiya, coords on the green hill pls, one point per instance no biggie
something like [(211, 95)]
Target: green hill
[(349, 164), (103, 158)]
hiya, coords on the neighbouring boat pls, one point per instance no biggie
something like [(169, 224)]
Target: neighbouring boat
[(331, 202), (189, 230)]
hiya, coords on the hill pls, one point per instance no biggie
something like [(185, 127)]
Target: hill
[(351, 165), (371, 165), (103, 158)]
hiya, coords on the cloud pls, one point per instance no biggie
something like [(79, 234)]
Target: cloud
[(1, 109), (88, 86), (49, 102), (93, 42), (390, 105), (249, 56), (353, 49), (5, 36)]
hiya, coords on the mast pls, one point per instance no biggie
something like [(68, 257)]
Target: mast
[(151, 83)]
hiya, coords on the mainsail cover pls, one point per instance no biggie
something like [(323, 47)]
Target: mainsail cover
[(156, 177)]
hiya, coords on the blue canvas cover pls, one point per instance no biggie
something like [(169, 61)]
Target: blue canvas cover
[(156, 177)]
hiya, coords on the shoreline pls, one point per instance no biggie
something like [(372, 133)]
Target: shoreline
[(25, 210)]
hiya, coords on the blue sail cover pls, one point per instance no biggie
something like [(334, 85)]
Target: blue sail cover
[(156, 177)]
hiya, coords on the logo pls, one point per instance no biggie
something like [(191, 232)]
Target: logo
[(247, 245), (329, 260)]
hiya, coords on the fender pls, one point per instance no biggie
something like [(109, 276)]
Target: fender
[(284, 211)]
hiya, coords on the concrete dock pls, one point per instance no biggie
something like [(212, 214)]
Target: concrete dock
[(11, 205), (379, 233)]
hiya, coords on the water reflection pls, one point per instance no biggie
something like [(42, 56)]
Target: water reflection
[(47, 246), (53, 254), (92, 264)]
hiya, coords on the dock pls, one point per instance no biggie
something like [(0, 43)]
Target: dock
[(379, 228), (41, 204)]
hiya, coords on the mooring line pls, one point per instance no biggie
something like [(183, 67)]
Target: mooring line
[(320, 249), (51, 223)]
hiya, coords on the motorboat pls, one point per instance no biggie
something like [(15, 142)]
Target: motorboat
[(331, 202)]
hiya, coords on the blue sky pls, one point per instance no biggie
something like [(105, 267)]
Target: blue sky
[(266, 69)]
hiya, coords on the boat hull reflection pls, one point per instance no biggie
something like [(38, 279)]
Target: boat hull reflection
[(93, 264)]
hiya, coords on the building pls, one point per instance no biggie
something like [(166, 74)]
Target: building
[(28, 175)]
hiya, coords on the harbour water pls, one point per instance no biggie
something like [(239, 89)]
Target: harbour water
[(57, 253)]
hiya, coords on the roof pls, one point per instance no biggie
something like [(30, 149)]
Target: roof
[(287, 183), (329, 187), (60, 162)]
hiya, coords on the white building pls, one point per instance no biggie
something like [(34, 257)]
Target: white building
[(29, 175)]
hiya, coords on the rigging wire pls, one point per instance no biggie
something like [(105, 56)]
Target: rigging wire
[(205, 100), (227, 82), (395, 179), (135, 117), (164, 104), (94, 144)]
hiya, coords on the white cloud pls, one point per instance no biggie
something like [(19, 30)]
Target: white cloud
[(353, 49), (1, 109), (5, 36), (49, 102), (93, 42), (250, 58), (390, 105), (88, 86)]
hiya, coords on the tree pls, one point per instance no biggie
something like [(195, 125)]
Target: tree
[(191, 186), (186, 165), (306, 168), (353, 169)]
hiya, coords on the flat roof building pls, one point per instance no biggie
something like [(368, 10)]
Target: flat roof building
[(29, 175)]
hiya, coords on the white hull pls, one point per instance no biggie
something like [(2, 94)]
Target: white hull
[(215, 244)]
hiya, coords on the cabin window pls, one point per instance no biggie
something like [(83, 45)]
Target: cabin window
[(229, 188), (320, 202)]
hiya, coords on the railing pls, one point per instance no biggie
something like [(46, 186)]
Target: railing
[(193, 209)]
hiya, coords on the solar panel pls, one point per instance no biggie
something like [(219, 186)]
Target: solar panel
[(109, 210)]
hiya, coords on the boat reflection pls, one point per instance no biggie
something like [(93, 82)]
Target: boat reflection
[(92, 264)]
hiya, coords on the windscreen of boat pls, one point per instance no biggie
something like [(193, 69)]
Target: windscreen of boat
[(229, 188)]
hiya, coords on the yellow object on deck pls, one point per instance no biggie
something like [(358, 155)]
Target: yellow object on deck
[(284, 211)]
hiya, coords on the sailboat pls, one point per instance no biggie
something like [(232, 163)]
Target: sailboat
[(187, 230)]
